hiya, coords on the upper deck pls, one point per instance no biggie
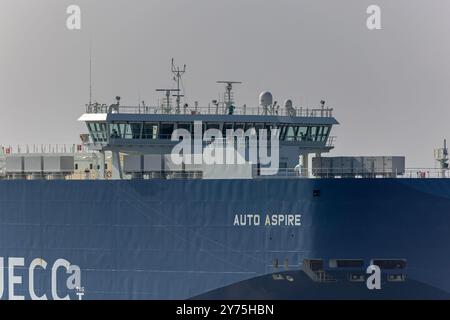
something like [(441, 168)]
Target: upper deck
[(299, 112), (243, 114)]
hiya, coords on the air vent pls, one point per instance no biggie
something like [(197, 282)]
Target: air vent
[(389, 263), (347, 263)]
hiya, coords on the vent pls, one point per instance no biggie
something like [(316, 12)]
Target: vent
[(389, 263)]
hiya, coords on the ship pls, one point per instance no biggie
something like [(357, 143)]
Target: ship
[(180, 201)]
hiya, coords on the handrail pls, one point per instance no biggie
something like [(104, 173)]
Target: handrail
[(283, 173), (212, 110)]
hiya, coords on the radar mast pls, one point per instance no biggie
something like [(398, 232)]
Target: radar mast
[(178, 73), (228, 96)]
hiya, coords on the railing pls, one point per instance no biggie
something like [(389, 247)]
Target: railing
[(416, 173), (211, 110), (43, 148), (281, 173), (311, 138)]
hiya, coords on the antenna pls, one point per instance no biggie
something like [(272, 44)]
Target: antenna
[(90, 74), (441, 156), (168, 107), (228, 98), (178, 73)]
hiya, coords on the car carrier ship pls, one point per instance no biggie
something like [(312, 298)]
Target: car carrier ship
[(116, 217)]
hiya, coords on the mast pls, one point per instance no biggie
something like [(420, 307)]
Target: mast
[(90, 74), (178, 73)]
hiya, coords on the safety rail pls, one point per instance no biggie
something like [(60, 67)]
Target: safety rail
[(257, 173), (416, 173), (330, 140), (210, 110), (43, 149)]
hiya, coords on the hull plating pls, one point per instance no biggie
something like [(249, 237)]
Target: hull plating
[(177, 239)]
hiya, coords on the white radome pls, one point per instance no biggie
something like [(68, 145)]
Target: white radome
[(288, 104), (265, 99)]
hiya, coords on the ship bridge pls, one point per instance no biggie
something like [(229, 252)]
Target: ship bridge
[(141, 138), (142, 130)]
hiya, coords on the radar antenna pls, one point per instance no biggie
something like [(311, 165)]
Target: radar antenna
[(178, 73), (228, 97)]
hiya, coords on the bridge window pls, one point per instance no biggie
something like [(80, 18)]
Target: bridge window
[(248, 125), (135, 130), (314, 133), (301, 133), (98, 131), (166, 130), (325, 132), (283, 130), (185, 126), (150, 131), (212, 126), (114, 130), (270, 128), (319, 134), (290, 133), (125, 130), (258, 126), (227, 126)]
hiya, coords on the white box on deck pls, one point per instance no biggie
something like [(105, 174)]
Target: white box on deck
[(14, 164), (228, 171), (33, 163), (58, 163)]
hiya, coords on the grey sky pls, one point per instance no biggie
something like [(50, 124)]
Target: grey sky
[(390, 88)]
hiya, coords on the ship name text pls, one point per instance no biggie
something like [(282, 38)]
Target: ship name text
[(267, 220)]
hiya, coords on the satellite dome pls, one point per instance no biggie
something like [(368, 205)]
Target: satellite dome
[(288, 104), (265, 99)]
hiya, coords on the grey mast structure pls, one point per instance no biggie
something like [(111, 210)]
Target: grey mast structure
[(441, 156), (140, 139), (178, 73)]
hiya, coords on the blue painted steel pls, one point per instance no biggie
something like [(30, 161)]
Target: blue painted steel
[(166, 239)]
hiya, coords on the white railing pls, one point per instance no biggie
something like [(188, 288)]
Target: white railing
[(43, 149), (412, 173), (211, 110), (261, 173)]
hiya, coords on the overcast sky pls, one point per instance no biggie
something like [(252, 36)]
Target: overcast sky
[(390, 88)]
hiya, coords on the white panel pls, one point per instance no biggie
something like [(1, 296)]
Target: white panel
[(58, 163), (227, 171), (93, 117), (33, 164), (14, 164)]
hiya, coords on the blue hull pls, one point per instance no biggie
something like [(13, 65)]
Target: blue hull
[(178, 239)]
